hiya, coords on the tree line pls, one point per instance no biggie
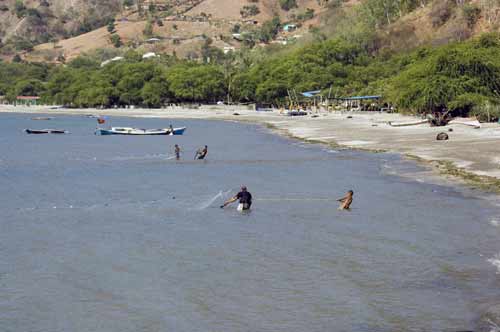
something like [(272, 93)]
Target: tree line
[(461, 77)]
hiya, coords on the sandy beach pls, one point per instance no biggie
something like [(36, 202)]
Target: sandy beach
[(470, 155)]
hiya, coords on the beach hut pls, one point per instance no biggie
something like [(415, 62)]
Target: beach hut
[(27, 100)]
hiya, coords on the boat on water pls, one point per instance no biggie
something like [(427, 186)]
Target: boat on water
[(41, 118), (46, 131), (139, 132)]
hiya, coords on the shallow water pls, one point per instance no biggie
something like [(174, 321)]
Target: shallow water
[(111, 234)]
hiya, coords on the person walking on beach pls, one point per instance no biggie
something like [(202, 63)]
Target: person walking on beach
[(201, 153), (244, 197), (346, 201), (177, 151)]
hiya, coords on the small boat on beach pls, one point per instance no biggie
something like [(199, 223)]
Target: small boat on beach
[(407, 124), (140, 132), (471, 122), (46, 131), (295, 112)]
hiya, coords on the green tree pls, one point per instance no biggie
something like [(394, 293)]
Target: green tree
[(116, 40), (288, 4), (111, 26)]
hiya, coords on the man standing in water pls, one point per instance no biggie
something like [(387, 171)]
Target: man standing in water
[(177, 151), (345, 202), (245, 200), (201, 153)]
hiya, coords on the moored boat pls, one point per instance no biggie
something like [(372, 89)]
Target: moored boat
[(46, 131), (41, 118), (139, 132)]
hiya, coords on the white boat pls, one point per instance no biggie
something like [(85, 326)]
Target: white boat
[(474, 123), (140, 132), (408, 123)]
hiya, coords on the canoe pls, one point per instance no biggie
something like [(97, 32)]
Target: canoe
[(466, 122), (139, 132), (407, 124), (41, 118), (46, 131), (295, 113)]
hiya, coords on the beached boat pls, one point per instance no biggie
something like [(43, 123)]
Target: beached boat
[(407, 124), (46, 131), (295, 112), (41, 118), (471, 122), (139, 132)]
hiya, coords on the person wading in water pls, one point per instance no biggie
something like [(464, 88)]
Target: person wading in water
[(244, 197), (201, 153), (345, 202), (177, 151)]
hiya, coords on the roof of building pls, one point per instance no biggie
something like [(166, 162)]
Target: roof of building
[(310, 94), (27, 97), (360, 97)]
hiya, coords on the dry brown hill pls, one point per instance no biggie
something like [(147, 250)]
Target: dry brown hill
[(183, 26), (180, 25)]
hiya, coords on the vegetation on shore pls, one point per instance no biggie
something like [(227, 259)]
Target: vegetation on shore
[(463, 77)]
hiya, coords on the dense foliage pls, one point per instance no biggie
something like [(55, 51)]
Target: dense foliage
[(459, 77)]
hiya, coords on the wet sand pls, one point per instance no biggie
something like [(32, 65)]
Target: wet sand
[(470, 155)]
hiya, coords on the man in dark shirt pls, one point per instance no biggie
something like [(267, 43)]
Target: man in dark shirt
[(201, 153), (244, 197)]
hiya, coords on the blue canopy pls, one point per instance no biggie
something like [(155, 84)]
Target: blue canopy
[(310, 94), (360, 97)]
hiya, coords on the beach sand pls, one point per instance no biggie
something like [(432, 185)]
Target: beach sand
[(470, 155)]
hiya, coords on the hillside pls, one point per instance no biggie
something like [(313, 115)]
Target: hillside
[(181, 26), (37, 21), (57, 30)]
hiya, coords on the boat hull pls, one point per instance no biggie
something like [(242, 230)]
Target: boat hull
[(140, 132), (45, 131)]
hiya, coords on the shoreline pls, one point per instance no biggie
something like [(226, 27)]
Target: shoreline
[(469, 157)]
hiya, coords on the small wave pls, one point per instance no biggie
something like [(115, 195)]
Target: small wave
[(127, 158), (205, 205), (495, 222), (495, 261)]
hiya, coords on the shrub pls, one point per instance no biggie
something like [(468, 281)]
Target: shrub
[(440, 12), (288, 4), (248, 11), (116, 40), (471, 14), (19, 8)]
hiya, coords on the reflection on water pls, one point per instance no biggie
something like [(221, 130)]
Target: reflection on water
[(111, 234)]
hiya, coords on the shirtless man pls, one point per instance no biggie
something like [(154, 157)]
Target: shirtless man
[(345, 202), (177, 151), (201, 153)]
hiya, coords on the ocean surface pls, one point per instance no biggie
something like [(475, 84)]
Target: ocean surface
[(110, 233)]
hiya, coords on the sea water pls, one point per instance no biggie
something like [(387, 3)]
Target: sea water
[(111, 233)]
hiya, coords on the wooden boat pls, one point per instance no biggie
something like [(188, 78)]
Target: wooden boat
[(407, 124), (46, 131), (140, 132), (41, 118)]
